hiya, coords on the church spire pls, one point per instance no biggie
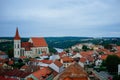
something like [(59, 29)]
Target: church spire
[(17, 37)]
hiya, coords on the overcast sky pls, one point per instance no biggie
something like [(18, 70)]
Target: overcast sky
[(89, 18)]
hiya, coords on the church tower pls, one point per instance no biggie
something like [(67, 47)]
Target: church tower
[(17, 44)]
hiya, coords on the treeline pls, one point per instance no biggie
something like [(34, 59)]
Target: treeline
[(63, 42)]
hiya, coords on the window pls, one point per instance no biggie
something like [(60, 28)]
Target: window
[(18, 45), (36, 51), (18, 52)]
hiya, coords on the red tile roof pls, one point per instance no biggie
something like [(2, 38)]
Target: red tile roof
[(90, 58), (103, 57), (23, 57), (105, 51), (46, 61), (72, 72), (87, 53), (39, 42), (83, 60), (42, 72), (67, 59), (17, 73), (27, 45), (118, 48), (118, 54), (43, 61), (11, 62), (62, 54), (3, 78), (58, 63), (17, 36)]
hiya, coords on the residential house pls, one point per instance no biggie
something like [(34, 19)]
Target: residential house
[(78, 46), (15, 74), (77, 55), (43, 74), (73, 72), (57, 66), (54, 57), (66, 61), (3, 55), (83, 61), (98, 62)]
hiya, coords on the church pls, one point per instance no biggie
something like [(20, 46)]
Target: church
[(33, 48)]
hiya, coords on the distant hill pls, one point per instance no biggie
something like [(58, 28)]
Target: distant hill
[(59, 42), (66, 42)]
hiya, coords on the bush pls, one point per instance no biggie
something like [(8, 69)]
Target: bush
[(116, 77)]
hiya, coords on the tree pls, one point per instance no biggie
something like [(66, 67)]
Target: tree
[(10, 53), (85, 48), (52, 50), (112, 62)]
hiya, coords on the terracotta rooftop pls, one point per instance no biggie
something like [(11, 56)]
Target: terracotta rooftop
[(87, 53), (23, 57), (17, 36), (27, 45), (44, 61), (72, 72), (15, 72), (3, 78), (11, 62), (42, 72), (103, 57), (39, 42), (58, 63), (83, 60), (118, 48), (67, 59), (118, 54)]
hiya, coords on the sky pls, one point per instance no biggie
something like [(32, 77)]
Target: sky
[(56, 18)]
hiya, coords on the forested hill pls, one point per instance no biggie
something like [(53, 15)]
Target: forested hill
[(66, 42), (58, 42)]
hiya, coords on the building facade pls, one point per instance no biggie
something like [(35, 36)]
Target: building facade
[(33, 48)]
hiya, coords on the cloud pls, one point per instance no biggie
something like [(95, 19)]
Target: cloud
[(93, 15)]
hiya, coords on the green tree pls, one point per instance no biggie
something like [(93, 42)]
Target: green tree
[(52, 50), (112, 62), (10, 53), (85, 48)]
